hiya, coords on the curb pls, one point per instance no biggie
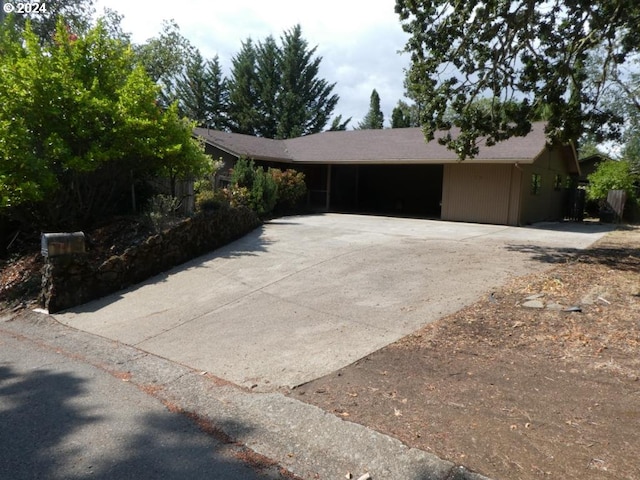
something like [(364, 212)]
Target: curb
[(302, 438)]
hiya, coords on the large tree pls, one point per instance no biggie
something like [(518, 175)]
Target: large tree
[(164, 58), (243, 98), (79, 124), (76, 15), (520, 54), (306, 101), (374, 119), (201, 92), (275, 90)]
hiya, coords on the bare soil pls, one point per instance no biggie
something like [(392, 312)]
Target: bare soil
[(514, 392)]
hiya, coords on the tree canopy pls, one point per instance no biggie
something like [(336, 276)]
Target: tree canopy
[(79, 123), (521, 55)]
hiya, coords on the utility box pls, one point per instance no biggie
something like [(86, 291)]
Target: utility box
[(55, 244)]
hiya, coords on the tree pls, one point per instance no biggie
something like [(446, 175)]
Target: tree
[(305, 101), (519, 54), (201, 92), (338, 125), (268, 82), (613, 175), (404, 115), (275, 92), (79, 124), (374, 119), (243, 98), (164, 58), (76, 15)]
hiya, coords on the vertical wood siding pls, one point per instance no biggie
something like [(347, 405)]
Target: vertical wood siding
[(481, 193)]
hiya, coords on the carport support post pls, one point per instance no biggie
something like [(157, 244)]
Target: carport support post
[(328, 187)]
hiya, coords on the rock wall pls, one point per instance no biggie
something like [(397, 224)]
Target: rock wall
[(71, 280)]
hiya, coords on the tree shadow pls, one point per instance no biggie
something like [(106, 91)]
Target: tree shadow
[(619, 258), (45, 433)]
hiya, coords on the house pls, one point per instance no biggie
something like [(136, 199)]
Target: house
[(394, 171)]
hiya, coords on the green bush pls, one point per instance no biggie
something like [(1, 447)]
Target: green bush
[(613, 175), (261, 189), (291, 188)]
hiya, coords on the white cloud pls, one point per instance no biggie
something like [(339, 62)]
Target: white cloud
[(358, 39)]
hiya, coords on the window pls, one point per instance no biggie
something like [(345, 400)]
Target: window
[(536, 182), (557, 183)]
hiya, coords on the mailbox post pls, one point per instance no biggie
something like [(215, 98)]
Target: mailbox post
[(55, 244), (63, 280)]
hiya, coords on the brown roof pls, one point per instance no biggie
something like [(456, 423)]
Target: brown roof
[(395, 145)]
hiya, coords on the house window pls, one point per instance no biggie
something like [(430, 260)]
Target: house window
[(536, 182), (557, 183)]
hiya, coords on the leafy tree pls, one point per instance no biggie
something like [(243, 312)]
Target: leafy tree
[(164, 58), (613, 175), (374, 119), (521, 55), (78, 125), (338, 125), (201, 92), (75, 13)]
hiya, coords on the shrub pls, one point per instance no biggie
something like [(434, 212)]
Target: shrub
[(162, 212), (261, 189), (291, 188)]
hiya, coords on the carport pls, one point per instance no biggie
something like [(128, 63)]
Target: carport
[(414, 190), (395, 172)]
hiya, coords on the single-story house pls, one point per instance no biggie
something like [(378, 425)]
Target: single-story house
[(395, 171)]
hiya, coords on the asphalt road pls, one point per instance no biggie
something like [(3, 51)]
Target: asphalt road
[(62, 418)]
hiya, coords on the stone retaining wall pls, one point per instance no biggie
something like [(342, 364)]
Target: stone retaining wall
[(71, 280)]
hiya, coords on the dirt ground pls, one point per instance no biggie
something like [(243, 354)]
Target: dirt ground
[(514, 392)]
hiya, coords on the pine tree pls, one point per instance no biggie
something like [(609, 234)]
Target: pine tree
[(306, 101), (268, 85), (201, 92), (374, 119), (338, 124), (243, 97), (275, 92)]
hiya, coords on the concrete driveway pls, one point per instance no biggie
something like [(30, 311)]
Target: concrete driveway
[(303, 296)]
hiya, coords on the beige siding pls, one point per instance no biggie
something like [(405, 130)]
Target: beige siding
[(547, 204), (481, 193)]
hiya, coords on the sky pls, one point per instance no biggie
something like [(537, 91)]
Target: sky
[(359, 40)]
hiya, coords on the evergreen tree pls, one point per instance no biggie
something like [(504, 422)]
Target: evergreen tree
[(243, 97), (306, 102), (404, 115), (268, 85), (201, 92), (275, 92), (338, 124), (374, 119)]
